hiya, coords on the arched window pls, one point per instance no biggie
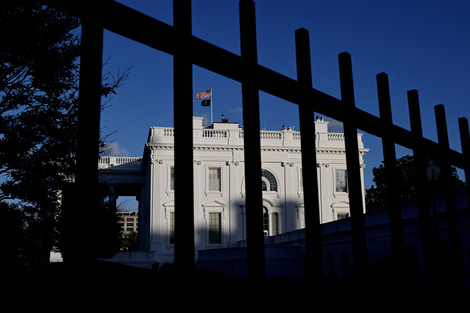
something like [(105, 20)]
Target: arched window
[(269, 181)]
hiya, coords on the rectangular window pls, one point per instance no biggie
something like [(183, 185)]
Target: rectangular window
[(214, 179), (172, 227), (274, 224), (172, 178), (265, 222), (341, 181), (215, 229)]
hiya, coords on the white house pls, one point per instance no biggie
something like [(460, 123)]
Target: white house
[(219, 186)]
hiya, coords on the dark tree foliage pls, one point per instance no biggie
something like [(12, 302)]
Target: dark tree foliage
[(12, 235), (406, 177), (130, 242), (38, 84), (39, 62)]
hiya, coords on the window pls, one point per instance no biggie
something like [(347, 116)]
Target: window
[(274, 224), (214, 179), (265, 222), (215, 230), (270, 223), (341, 181), (172, 178), (172, 228), (269, 181)]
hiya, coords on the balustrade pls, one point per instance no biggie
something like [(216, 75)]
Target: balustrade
[(235, 136)]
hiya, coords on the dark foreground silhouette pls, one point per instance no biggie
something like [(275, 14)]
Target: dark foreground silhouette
[(109, 286)]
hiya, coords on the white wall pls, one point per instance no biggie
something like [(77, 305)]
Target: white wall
[(222, 146)]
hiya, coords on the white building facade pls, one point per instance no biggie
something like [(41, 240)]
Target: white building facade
[(219, 186)]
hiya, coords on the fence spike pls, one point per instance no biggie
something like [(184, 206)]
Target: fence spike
[(251, 121), (465, 143), (183, 115), (314, 259), (448, 187), (393, 197), (421, 184), (356, 205)]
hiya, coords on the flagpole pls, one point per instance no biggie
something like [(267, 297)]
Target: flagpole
[(212, 95)]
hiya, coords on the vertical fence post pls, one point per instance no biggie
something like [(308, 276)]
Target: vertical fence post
[(313, 241), (84, 192), (183, 120), (393, 197), (89, 105), (465, 143), (450, 201), (358, 233), (252, 144), (423, 203)]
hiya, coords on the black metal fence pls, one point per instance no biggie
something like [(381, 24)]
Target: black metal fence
[(244, 68)]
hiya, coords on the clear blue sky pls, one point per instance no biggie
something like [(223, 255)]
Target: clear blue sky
[(420, 44)]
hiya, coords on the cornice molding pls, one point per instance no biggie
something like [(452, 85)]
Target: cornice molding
[(322, 150)]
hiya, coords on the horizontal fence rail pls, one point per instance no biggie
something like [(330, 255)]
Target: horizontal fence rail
[(134, 25)]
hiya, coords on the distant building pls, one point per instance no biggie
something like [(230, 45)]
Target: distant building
[(128, 221), (219, 185)]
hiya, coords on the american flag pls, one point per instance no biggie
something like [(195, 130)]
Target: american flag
[(204, 95)]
